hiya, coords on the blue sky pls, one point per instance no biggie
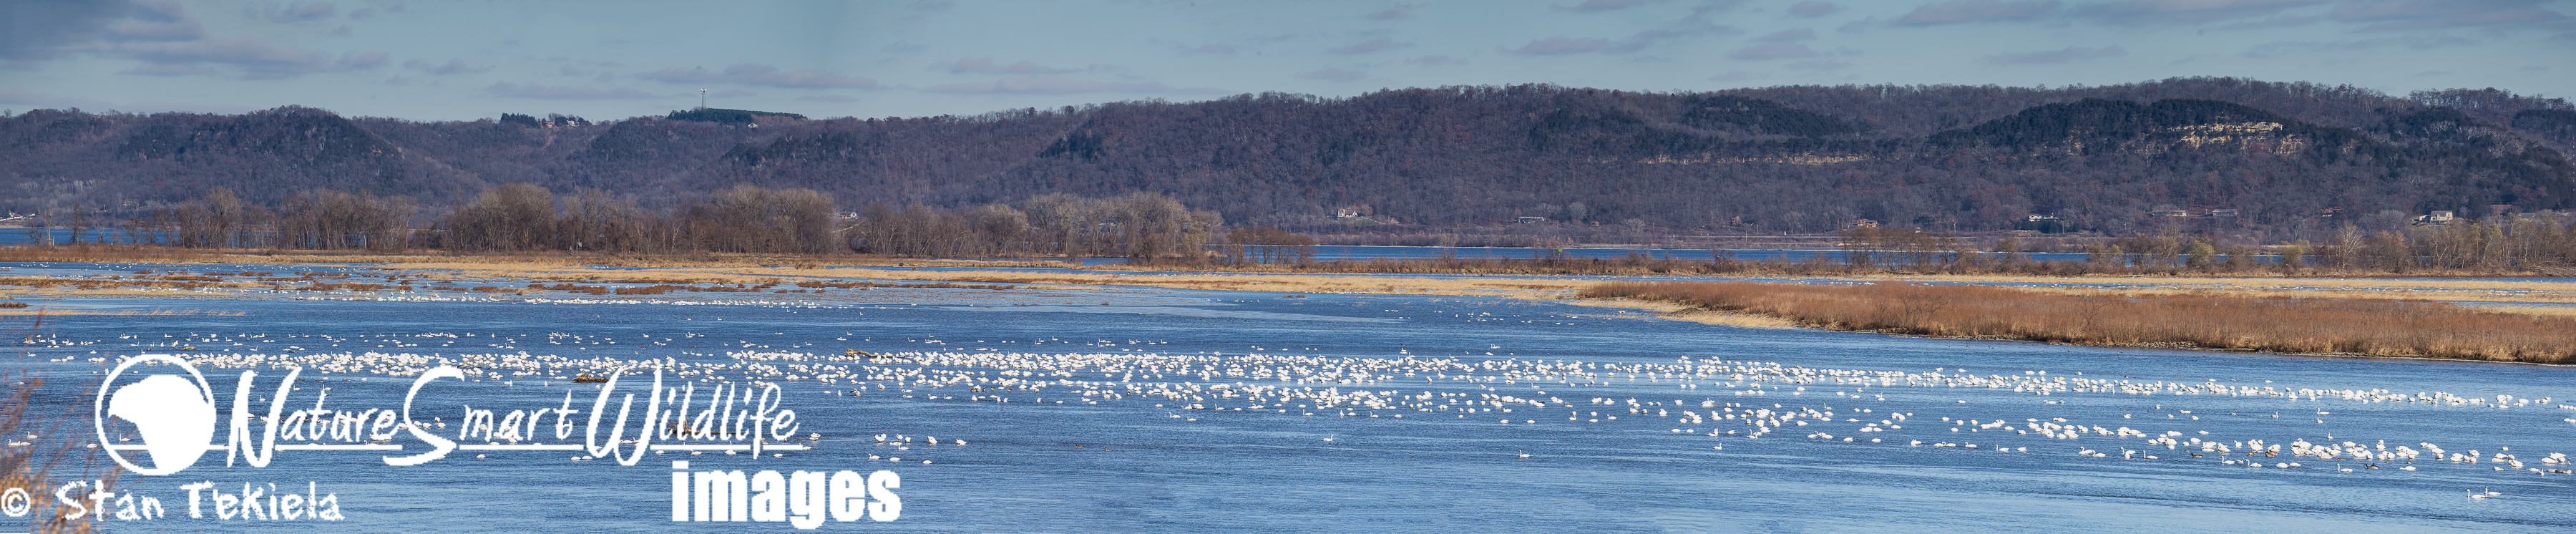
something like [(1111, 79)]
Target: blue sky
[(464, 60)]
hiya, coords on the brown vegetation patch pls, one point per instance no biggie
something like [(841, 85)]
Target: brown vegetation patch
[(1684, 312), (2272, 324)]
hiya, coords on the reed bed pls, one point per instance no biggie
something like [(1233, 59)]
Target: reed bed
[(45, 441), (2268, 324)]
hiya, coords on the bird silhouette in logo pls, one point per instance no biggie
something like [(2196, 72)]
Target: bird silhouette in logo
[(173, 416)]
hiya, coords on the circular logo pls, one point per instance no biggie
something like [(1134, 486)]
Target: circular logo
[(174, 416)]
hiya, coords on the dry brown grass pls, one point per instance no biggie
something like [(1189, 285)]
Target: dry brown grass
[(2543, 291), (1685, 312), (45, 446), (2273, 324), (2547, 311)]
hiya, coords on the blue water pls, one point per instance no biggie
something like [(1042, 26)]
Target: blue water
[(22, 236), (1128, 465)]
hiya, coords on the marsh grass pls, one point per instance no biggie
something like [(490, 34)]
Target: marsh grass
[(1684, 312), (2269, 324), (41, 444)]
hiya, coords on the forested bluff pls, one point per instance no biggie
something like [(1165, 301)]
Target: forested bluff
[(2292, 160)]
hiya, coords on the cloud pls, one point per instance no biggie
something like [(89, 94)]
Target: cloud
[(1736, 76), (174, 42), (1786, 36), (1334, 75), (1561, 45), (1774, 51), (547, 92), (256, 57), (1596, 6), (827, 98), (2389, 15), (1688, 27), (39, 30), (2278, 49), (1819, 65), (171, 70), (683, 75), (900, 47), (1371, 45), (1813, 8), (2284, 21), (1051, 85), (27, 98), (2046, 57), (921, 9), (363, 60), (305, 12), (758, 74), (1967, 11), (1436, 60), (767, 75), (238, 50), (2145, 12), (971, 64), (452, 66), (168, 23), (1391, 14)]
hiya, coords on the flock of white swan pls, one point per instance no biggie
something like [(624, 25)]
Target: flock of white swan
[(1716, 398)]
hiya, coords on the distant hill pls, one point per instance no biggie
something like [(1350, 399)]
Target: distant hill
[(727, 116), (1780, 159)]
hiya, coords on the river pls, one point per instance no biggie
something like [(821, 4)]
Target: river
[(1119, 409)]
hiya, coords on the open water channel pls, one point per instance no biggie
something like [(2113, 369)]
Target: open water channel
[(1158, 410)]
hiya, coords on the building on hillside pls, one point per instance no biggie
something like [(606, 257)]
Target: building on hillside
[(1864, 223), (1529, 220), (2222, 213), (2169, 213)]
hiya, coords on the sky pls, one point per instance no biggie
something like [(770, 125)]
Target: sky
[(473, 59)]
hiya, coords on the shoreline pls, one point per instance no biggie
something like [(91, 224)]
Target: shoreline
[(1464, 265)]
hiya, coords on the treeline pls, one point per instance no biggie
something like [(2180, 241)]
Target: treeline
[(1136, 226), (742, 219), (507, 218)]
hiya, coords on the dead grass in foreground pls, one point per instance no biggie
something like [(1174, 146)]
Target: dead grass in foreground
[(2269, 324), (2456, 289)]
